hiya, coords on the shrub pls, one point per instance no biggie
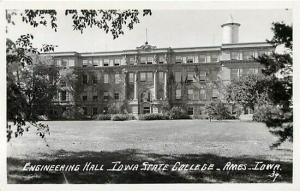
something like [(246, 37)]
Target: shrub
[(122, 117), (102, 117), (178, 113), (264, 113), (153, 116), (218, 110)]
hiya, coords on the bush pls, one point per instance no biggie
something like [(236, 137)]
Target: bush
[(178, 113), (122, 117), (153, 116), (102, 117), (218, 111), (264, 113)]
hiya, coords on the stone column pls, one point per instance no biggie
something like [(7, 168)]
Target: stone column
[(155, 85), (125, 85), (135, 86), (165, 84)]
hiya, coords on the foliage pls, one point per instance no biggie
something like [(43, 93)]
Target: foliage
[(153, 116), (73, 113), (102, 117), (23, 100), (122, 117), (278, 66), (178, 112), (218, 110)]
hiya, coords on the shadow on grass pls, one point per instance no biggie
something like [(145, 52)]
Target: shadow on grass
[(16, 175)]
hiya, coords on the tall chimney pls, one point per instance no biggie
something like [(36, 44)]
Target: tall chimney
[(230, 31)]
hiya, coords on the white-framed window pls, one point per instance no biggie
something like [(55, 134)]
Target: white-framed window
[(106, 78), (150, 60), (131, 78), (106, 62), (178, 93), (190, 77), (142, 76), (143, 60), (190, 94), (117, 62), (202, 58), (190, 59), (96, 62), (214, 58), (215, 93), (149, 76), (84, 63), (131, 60), (161, 59), (235, 56), (178, 59), (105, 96), (58, 62), (71, 62), (202, 94), (177, 76), (202, 75), (117, 78), (248, 55)]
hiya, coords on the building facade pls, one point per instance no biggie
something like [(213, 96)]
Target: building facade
[(148, 79)]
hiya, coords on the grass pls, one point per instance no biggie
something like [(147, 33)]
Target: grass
[(187, 141)]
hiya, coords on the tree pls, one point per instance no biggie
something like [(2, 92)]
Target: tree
[(21, 53), (218, 110), (278, 66)]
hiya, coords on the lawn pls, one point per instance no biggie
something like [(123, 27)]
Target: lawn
[(157, 142)]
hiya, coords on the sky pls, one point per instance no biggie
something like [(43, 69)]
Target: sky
[(166, 28)]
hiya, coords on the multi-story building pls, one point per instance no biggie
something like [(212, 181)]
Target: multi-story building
[(147, 79)]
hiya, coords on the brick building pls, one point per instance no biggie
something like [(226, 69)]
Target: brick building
[(147, 78)]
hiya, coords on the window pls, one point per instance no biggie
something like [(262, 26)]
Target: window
[(116, 96), (149, 76), (84, 98), (94, 79), (84, 111), (64, 63), (190, 111), (190, 77), (84, 79), (143, 60), (190, 94), (58, 63), (178, 94), (105, 62), (190, 59), (161, 59), (146, 110), (248, 55), (214, 58), (117, 78), (202, 59), (106, 80), (131, 77), (84, 63), (234, 75), (235, 55), (95, 97), (105, 96), (71, 62), (202, 94), (177, 76), (95, 62), (143, 76), (95, 110), (131, 61), (117, 62), (160, 76), (178, 59), (202, 75), (215, 93), (63, 95), (150, 60)]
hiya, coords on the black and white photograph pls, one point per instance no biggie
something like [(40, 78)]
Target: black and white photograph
[(149, 94)]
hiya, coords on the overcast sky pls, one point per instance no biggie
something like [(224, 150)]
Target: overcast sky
[(169, 28)]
